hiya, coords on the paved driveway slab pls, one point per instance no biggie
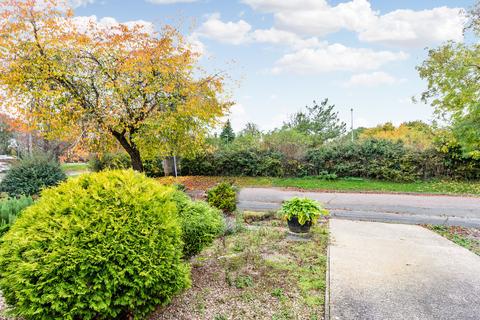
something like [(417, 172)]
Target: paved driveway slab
[(382, 271)]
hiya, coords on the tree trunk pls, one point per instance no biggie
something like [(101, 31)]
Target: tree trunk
[(131, 149), (137, 163)]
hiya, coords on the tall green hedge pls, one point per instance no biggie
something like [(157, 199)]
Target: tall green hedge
[(101, 246), (371, 158)]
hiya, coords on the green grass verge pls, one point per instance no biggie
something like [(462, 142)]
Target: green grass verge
[(74, 166), (466, 237), (359, 185), (352, 184)]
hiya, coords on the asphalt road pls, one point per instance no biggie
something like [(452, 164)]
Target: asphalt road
[(399, 208)]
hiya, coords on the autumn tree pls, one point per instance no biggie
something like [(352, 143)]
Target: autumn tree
[(103, 84), (415, 134)]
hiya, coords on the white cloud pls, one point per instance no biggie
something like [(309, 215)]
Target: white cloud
[(83, 23), (284, 5), (226, 32), (416, 28), (240, 32), (281, 116), (170, 1), (196, 45), (323, 19), (400, 27), (238, 116), (373, 79), (335, 57), (281, 37), (80, 3)]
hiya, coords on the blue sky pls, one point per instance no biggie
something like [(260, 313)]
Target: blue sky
[(283, 54)]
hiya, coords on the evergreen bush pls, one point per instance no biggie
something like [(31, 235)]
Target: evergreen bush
[(201, 224), (223, 196), (106, 245), (31, 174)]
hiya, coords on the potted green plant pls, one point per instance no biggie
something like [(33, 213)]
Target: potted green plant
[(302, 213)]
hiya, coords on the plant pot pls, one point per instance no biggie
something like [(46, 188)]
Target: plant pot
[(296, 227)]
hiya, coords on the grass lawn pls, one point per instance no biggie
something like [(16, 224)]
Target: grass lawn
[(74, 166), (465, 237), (257, 273), (354, 185)]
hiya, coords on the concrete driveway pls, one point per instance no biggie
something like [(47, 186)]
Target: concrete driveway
[(399, 208), (380, 271)]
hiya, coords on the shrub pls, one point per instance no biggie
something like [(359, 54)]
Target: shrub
[(304, 209), (120, 160), (201, 224), (109, 161), (223, 196), (32, 174), (324, 175), (10, 208), (373, 159), (100, 246), (153, 167)]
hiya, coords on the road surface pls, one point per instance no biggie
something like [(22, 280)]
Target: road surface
[(399, 208)]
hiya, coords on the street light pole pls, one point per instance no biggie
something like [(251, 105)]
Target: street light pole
[(351, 110)]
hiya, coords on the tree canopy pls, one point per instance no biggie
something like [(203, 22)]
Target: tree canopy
[(452, 72), (319, 121), (118, 83), (227, 135), (415, 134)]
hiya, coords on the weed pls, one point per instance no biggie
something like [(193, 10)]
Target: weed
[(243, 281), (278, 293)]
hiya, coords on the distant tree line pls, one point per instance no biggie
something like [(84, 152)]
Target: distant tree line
[(314, 143)]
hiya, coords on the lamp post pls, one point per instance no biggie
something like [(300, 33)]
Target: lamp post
[(351, 110)]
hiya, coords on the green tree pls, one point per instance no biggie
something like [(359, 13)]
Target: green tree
[(289, 142), (319, 121), (251, 129), (227, 135), (452, 72)]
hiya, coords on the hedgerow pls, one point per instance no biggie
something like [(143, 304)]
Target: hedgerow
[(370, 158)]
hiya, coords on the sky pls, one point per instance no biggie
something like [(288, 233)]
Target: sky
[(281, 55)]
